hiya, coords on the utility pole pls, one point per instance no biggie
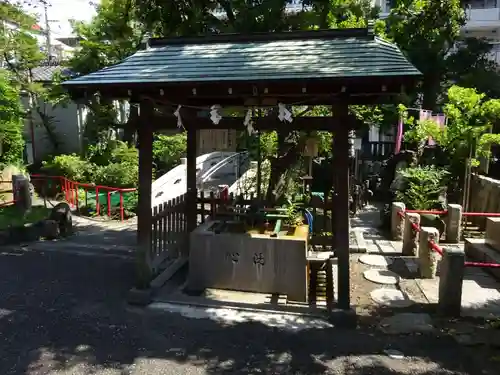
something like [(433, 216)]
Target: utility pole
[(47, 30)]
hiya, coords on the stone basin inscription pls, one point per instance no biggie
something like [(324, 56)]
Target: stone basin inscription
[(248, 260)]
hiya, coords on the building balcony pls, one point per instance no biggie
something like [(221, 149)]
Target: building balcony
[(482, 18), (495, 55), (480, 15)]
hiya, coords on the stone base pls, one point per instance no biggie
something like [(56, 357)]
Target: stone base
[(492, 235), (29, 233), (343, 318), (140, 297), (479, 251), (248, 262)]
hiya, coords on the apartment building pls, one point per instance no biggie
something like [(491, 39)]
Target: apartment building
[(483, 20)]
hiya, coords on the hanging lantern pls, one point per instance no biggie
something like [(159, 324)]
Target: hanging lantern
[(311, 147)]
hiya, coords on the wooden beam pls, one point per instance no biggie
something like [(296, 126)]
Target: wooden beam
[(144, 222), (359, 90), (191, 207), (267, 123)]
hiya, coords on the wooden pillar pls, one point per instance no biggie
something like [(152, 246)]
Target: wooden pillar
[(144, 219), (341, 204), (191, 205), (259, 169)]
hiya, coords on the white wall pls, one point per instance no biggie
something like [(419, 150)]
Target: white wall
[(67, 121)]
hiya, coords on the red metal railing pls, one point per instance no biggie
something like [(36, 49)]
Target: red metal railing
[(435, 247), (71, 188), (445, 212), (481, 214), (427, 212)]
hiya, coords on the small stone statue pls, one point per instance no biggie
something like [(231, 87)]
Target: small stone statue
[(61, 214)]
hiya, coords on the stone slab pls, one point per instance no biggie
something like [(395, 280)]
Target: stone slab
[(480, 294), (405, 323), (411, 265), (492, 235), (478, 250), (384, 277), (248, 262), (375, 260), (390, 298)]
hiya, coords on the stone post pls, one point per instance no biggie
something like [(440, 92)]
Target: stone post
[(397, 222), (21, 192), (450, 282), (428, 258), (410, 236), (454, 223)]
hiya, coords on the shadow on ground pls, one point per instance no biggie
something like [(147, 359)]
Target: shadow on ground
[(63, 312), (66, 312)]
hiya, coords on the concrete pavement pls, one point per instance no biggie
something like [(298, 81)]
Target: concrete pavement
[(65, 313)]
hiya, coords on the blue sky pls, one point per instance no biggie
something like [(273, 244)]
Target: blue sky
[(61, 11)]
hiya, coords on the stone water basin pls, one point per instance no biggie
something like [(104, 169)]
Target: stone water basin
[(230, 255)]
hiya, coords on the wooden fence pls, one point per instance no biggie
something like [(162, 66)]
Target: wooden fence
[(321, 210), (170, 235)]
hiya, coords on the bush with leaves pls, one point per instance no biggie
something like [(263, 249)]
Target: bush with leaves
[(168, 150), (11, 124), (70, 166), (123, 167), (423, 187), (118, 175)]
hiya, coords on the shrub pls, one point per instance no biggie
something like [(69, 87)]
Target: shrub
[(118, 175), (122, 153), (70, 166), (168, 150), (424, 187), (114, 151)]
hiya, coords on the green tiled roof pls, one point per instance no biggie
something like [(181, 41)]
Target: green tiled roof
[(287, 56)]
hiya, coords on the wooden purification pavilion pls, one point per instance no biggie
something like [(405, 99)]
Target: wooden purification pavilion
[(184, 77)]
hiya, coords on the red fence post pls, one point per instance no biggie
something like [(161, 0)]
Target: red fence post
[(121, 205), (109, 204), (97, 203), (76, 194)]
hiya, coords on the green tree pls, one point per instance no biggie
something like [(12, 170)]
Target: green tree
[(470, 65), (21, 53), (112, 35), (427, 32), (468, 134), (118, 27), (11, 123)]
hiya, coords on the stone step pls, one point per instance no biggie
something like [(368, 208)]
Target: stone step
[(70, 247), (492, 235), (478, 250), (109, 238)]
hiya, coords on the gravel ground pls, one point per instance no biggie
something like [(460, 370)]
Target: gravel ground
[(64, 313)]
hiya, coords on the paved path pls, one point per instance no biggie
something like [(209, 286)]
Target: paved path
[(480, 292), (64, 313)]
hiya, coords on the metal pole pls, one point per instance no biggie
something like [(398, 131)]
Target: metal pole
[(47, 30)]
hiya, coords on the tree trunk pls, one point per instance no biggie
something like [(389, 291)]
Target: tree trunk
[(130, 128), (430, 91), (287, 156)]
